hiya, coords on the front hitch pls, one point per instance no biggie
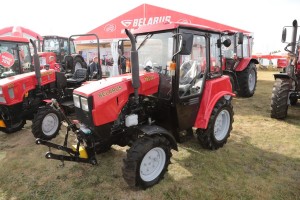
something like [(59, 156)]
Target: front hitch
[(79, 153)]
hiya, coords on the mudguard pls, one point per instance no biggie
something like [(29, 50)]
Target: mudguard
[(243, 64), (215, 89), (157, 130)]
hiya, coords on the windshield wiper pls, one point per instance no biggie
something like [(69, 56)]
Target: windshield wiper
[(146, 38)]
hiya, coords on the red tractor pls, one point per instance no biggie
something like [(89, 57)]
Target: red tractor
[(287, 83), (53, 52), (174, 89), (239, 64), (25, 87)]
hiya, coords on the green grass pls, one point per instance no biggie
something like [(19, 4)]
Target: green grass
[(260, 161)]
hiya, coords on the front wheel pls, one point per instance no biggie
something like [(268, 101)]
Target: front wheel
[(46, 123), (280, 95), (247, 81), (147, 161), (219, 126)]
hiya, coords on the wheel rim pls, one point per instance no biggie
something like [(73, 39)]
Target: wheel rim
[(50, 124), (152, 164), (251, 80), (77, 66), (222, 125)]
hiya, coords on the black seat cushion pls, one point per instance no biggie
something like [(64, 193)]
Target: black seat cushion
[(79, 76)]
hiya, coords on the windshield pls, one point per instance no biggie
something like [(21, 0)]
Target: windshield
[(15, 58), (57, 45), (155, 51)]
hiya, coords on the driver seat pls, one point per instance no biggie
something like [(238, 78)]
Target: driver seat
[(79, 76)]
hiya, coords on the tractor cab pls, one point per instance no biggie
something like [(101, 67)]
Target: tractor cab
[(15, 57), (238, 62), (185, 60)]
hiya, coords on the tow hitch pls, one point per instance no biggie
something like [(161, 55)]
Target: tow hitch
[(79, 152)]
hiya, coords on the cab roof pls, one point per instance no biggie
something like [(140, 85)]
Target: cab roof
[(14, 39)]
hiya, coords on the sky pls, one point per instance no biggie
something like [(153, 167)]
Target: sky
[(264, 18)]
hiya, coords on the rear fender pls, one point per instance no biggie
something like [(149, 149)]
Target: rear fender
[(243, 64), (157, 130), (214, 90)]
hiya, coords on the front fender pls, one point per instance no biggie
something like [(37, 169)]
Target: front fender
[(214, 90), (157, 130)]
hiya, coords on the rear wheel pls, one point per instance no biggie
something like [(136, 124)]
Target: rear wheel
[(46, 123), (247, 81), (147, 161), (280, 95), (219, 126), (14, 127)]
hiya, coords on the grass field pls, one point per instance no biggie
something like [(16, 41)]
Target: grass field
[(260, 161)]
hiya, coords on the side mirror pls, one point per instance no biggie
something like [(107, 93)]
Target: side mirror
[(283, 36), (240, 38), (185, 43), (227, 43)]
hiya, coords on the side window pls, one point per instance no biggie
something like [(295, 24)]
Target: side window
[(215, 59), (245, 47), (192, 68)]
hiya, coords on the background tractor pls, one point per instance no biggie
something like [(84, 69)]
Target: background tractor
[(58, 47), (286, 87), (174, 89), (25, 87), (239, 64)]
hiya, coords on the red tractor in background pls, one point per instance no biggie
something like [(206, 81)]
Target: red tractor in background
[(176, 86), (53, 51), (24, 87), (239, 64), (286, 89), (15, 63)]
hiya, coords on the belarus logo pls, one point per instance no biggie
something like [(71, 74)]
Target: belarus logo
[(110, 28), (126, 23)]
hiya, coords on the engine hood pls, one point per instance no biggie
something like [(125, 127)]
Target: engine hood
[(149, 84)]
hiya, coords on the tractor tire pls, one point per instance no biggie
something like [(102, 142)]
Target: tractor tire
[(280, 95), (293, 101), (147, 161), (219, 126), (15, 127), (247, 81), (78, 64), (46, 123), (102, 147)]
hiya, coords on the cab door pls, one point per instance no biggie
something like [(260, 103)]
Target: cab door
[(202, 64), (191, 72)]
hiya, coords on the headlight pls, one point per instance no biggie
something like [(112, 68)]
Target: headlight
[(84, 104), (76, 101)]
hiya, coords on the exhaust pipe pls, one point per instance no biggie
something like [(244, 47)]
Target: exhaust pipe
[(134, 57), (294, 36), (36, 64)]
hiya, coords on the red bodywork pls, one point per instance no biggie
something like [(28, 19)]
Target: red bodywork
[(282, 62), (214, 90), (111, 94), (14, 88)]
